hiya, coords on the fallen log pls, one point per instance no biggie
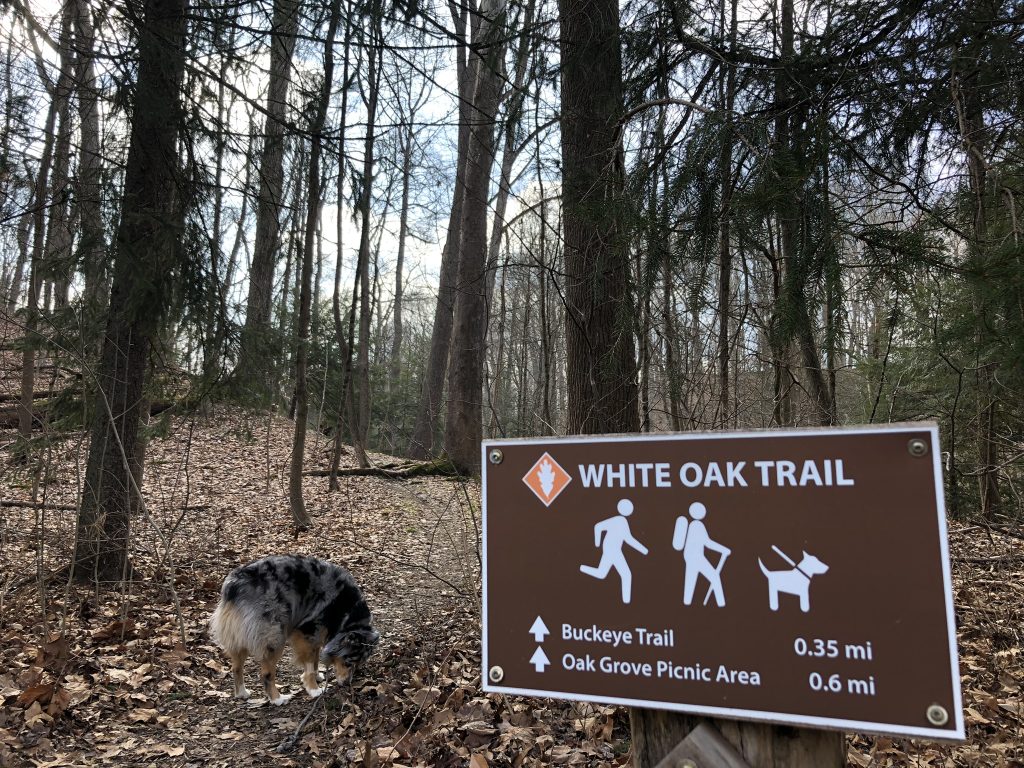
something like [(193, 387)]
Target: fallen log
[(14, 397), (436, 468)]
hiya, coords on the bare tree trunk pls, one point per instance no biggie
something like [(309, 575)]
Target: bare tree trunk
[(511, 146), (58, 107), (600, 353), (362, 371), (974, 135), (727, 96), (546, 427), (463, 422), (295, 499), (403, 230), (500, 370), (669, 319), (344, 344), (256, 347), (216, 304), (92, 241), (783, 411), (24, 233), (58, 234), (421, 444), (143, 267)]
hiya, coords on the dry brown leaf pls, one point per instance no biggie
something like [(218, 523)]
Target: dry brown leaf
[(114, 630), (40, 693), (142, 715)]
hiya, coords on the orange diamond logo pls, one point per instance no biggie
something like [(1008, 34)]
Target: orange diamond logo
[(547, 479)]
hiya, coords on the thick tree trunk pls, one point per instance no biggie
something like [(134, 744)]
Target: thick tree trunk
[(421, 444), (600, 356), (463, 419), (256, 348), (143, 267)]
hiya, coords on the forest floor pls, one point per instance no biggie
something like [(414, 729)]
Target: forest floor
[(132, 678)]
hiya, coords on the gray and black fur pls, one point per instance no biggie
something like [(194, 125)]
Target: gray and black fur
[(310, 604)]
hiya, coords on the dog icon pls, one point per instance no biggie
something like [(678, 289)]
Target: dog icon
[(796, 581)]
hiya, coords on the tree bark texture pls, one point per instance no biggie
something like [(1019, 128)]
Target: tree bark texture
[(145, 250), (295, 500), (362, 368), (256, 348), (600, 350), (92, 240), (463, 418), (974, 135), (421, 444)]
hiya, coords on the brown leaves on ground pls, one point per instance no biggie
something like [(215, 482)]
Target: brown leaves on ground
[(123, 678)]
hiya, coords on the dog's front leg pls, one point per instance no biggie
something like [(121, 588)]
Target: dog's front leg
[(342, 670), (311, 676)]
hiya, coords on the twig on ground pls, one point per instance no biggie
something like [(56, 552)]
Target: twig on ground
[(291, 741)]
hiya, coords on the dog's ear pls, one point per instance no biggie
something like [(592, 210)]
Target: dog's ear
[(805, 553)]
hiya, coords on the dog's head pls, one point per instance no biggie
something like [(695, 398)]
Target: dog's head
[(812, 566), (350, 647)]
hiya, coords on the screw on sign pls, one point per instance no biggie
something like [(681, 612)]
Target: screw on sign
[(727, 575)]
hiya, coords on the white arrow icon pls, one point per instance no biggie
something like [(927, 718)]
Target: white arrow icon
[(539, 659), (539, 630)]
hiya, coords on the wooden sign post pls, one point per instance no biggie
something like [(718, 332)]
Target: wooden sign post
[(764, 585)]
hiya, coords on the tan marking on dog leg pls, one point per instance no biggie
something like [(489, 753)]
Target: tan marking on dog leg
[(268, 673), (238, 671), (342, 670), (307, 655)]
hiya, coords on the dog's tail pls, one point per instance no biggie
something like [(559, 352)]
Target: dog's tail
[(226, 627), (238, 625), (764, 570)]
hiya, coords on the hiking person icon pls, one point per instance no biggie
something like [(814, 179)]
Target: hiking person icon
[(612, 535), (692, 539)]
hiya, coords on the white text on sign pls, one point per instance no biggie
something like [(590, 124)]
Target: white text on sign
[(730, 474)]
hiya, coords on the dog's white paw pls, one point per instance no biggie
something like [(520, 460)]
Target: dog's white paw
[(283, 698), (242, 694), (314, 692)]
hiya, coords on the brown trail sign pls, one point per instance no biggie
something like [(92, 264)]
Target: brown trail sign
[(797, 577)]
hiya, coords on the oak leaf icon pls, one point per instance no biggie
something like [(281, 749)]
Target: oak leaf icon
[(546, 475)]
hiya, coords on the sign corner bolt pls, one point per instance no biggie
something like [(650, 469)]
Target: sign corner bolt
[(917, 447), (496, 674), (937, 715), (495, 455)]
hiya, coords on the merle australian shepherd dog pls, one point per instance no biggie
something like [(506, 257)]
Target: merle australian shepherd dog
[(310, 604)]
